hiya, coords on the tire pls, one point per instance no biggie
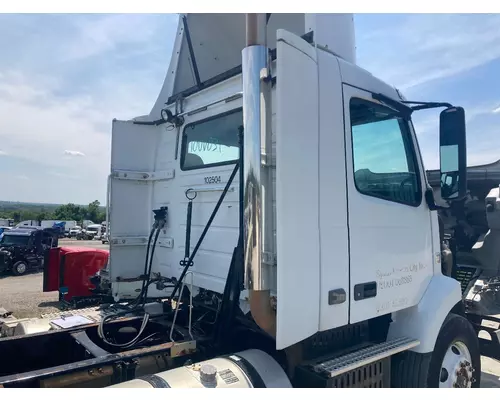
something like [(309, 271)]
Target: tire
[(456, 337), (19, 268), (413, 370)]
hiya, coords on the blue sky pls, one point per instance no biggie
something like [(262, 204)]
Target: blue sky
[(63, 78)]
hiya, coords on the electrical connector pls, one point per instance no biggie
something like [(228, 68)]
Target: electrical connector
[(160, 217), (153, 309)]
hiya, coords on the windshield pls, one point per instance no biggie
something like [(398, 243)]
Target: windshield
[(8, 240), (92, 229)]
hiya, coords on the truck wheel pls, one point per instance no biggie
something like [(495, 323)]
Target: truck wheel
[(19, 268), (456, 360)]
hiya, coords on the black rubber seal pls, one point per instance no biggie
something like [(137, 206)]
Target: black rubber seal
[(249, 370), (155, 381)]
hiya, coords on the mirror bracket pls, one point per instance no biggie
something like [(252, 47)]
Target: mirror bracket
[(431, 202)]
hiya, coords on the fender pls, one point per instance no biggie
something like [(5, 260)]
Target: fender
[(423, 321)]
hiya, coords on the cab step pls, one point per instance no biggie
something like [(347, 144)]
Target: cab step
[(367, 355)]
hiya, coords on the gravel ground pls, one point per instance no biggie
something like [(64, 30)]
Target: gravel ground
[(23, 296), (490, 377)]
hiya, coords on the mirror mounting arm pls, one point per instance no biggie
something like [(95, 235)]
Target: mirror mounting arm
[(431, 202), (422, 105)]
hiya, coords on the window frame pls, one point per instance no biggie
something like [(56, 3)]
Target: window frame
[(47, 236), (410, 153), (184, 142)]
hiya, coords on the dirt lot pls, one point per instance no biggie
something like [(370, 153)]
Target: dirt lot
[(490, 377), (24, 297)]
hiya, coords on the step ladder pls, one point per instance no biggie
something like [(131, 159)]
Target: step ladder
[(367, 355)]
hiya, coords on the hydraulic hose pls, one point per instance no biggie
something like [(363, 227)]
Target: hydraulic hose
[(148, 279), (100, 330), (160, 221), (138, 300)]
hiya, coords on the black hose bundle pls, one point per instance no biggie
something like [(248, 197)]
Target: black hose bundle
[(160, 221)]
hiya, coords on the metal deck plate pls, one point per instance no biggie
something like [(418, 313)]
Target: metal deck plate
[(340, 365)]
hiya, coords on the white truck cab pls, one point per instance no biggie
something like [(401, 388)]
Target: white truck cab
[(328, 200)]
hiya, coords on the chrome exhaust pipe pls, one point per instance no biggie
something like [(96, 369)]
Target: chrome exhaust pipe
[(256, 279)]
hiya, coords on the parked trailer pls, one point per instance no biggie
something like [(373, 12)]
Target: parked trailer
[(64, 226), (6, 222)]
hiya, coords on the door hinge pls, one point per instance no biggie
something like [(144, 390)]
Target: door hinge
[(140, 241), (269, 258), (129, 241), (146, 176), (166, 242), (268, 160)]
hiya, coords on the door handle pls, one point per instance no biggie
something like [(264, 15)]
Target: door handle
[(365, 290)]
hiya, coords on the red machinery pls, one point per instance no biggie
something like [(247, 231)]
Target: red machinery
[(68, 270)]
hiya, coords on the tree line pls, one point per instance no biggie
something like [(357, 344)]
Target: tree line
[(66, 212)]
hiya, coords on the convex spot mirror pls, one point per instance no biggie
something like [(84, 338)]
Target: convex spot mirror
[(452, 153)]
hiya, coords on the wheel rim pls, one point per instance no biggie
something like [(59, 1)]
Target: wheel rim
[(21, 268), (456, 368)]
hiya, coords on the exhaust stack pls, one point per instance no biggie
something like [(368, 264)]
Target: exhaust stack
[(254, 61)]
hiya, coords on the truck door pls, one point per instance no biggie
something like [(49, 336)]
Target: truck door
[(208, 153), (297, 190), (390, 246), (130, 189)]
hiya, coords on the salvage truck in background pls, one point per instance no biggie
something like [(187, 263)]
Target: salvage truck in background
[(271, 224), (23, 249)]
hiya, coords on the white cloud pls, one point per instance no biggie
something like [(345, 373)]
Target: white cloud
[(74, 153), (427, 122), (105, 33), (478, 131), (57, 117), (425, 47), (64, 175), (64, 78), (48, 132), (36, 124), (440, 57)]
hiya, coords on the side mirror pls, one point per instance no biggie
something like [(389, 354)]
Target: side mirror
[(37, 242), (452, 153)]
